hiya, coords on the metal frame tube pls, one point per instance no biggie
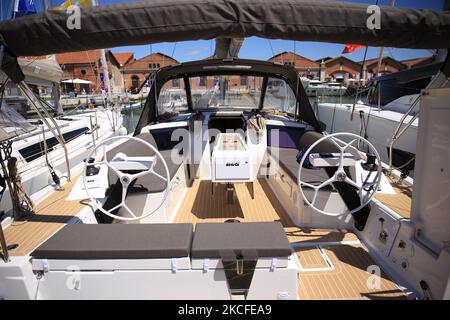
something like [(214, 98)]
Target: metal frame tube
[(35, 103)]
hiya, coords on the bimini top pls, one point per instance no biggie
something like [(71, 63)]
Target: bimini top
[(180, 20)]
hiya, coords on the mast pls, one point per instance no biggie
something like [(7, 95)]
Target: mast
[(392, 3), (105, 74), (104, 66)]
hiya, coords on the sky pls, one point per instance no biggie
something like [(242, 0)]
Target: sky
[(263, 49)]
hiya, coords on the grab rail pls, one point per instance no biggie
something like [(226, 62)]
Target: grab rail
[(34, 102), (399, 131)]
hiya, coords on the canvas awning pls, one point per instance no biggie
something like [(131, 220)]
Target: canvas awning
[(12, 124), (138, 23), (77, 81), (41, 70)]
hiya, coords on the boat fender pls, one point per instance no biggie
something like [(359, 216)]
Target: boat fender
[(123, 131)]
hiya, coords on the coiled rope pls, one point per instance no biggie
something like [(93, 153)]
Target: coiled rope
[(22, 203)]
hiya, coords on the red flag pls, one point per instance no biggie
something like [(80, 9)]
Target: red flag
[(352, 47)]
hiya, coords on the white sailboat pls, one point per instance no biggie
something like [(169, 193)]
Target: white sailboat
[(54, 142), (233, 197), (317, 88), (390, 118)]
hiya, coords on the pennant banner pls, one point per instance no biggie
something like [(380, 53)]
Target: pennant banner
[(349, 48)]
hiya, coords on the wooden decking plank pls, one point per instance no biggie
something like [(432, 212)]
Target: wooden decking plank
[(52, 213), (401, 201), (349, 278)]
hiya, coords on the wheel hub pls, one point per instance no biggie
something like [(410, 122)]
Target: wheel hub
[(340, 176)]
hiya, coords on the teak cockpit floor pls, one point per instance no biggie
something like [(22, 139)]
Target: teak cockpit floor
[(52, 213), (349, 277), (401, 201), (346, 274), (201, 205)]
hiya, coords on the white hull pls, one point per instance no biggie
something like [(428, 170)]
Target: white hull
[(380, 127), (35, 174), (323, 90)]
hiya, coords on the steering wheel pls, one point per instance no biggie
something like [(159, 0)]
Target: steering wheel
[(366, 190), (126, 178)]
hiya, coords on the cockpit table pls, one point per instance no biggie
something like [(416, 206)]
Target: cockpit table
[(231, 162)]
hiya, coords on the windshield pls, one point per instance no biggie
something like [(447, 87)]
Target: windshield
[(226, 92), (242, 92), (172, 98), (279, 96)]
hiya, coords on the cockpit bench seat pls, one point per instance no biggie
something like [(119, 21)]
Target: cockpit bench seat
[(116, 246), (265, 242)]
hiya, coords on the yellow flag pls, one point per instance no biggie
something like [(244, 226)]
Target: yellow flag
[(85, 3), (68, 3)]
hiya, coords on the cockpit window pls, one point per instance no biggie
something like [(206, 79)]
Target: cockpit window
[(279, 96), (172, 98), (226, 91)]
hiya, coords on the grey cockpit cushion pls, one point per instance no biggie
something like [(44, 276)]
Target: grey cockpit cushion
[(247, 239), (118, 241), (149, 182), (287, 159)]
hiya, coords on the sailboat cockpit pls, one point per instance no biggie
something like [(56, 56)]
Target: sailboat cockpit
[(229, 188)]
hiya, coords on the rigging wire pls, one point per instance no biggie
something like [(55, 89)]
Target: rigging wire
[(53, 174), (271, 48)]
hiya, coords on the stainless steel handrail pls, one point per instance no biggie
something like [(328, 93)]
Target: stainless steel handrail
[(399, 131), (34, 102)]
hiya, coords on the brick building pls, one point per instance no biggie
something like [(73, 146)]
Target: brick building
[(134, 72), (341, 67), (124, 58), (306, 67), (418, 62), (388, 65), (86, 65), (128, 73)]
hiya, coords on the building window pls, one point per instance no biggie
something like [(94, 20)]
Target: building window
[(83, 72), (202, 81), (176, 83), (134, 82), (243, 80)]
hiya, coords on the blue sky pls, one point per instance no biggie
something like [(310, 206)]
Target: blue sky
[(257, 48)]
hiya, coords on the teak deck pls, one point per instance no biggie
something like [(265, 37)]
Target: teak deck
[(399, 202), (348, 280), (200, 205), (52, 213), (230, 141)]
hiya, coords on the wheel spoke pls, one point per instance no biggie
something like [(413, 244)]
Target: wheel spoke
[(158, 175), (140, 174), (117, 172), (351, 182), (114, 208), (348, 144), (308, 185), (129, 211), (335, 142), (124, 193), (315, 196), (323, 184)]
